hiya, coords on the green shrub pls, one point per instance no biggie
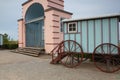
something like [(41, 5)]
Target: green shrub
[(10, 46)]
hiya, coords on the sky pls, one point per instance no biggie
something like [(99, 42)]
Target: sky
[(11, 11)]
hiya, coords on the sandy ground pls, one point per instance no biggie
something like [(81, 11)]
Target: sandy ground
[(21, 67)]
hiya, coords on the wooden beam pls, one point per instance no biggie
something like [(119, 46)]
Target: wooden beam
[(34, 20)]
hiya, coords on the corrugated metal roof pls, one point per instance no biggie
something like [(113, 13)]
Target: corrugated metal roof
[(94, 17)]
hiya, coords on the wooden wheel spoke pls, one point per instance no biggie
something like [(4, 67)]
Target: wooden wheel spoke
[(68, 45), (107, 65), (76, 48), (112, 66), (113, 49), (76, 58), (102, 50), (108, 48), (100, 53), (117, 61), (65, 48), (66, 59), (71, 60), (72, 47)]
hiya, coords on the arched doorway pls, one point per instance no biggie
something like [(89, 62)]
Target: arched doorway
[(34, 21)]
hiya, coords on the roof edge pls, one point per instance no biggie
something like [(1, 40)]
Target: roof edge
[(94, 17), (26, 2), (53, 8), (20, 19)]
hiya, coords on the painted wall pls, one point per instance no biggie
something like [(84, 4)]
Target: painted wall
[(45, 3), (91, 33), (52, 34), (56, 3), (21, 33)]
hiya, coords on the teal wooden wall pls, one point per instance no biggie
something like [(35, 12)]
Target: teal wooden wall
[(93, 32)]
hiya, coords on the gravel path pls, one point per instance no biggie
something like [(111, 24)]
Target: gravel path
[(21, 67)]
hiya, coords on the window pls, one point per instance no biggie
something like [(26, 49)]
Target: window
[(72, 27), (61, 24)]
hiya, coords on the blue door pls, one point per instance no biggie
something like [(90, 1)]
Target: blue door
[(35, 34), (34, 20)]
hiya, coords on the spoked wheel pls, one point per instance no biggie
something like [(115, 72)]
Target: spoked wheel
[(71, 53), (106, 57)]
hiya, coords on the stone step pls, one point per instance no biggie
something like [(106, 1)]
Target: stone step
[(33, 48), (24, 53), (30, 51)]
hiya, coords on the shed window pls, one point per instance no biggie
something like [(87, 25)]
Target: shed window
[(72, 27)]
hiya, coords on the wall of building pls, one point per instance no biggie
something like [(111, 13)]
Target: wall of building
[(51, 22), (21, 33), (56, 4), (93, 32), (53, 35)]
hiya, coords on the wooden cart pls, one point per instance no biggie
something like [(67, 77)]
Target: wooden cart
[(94, 38)]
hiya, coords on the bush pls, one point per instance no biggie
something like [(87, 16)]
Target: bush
[(10, 46)]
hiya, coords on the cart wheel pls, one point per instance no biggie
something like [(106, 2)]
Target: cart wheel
[(106, 57), (72, 53)]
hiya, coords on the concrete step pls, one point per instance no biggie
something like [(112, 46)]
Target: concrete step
[(24, 53), (30, 51)]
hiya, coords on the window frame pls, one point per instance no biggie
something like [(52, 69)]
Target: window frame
[(61, 24), (72, 26)]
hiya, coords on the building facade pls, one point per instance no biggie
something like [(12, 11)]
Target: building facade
[(40, 25)]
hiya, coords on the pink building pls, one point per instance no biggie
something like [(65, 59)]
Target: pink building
[(40, 25)]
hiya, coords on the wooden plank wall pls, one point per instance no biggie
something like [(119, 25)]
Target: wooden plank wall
[(93, 32)]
